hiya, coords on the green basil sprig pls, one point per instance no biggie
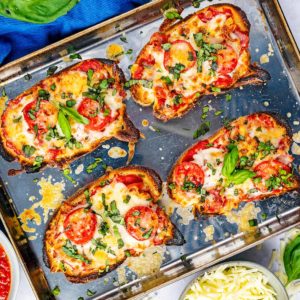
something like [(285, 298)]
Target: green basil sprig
[(64, 125), (291, 259), (74, 114), (229, 170)]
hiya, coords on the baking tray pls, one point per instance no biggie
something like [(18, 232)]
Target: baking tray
[(160, 149)]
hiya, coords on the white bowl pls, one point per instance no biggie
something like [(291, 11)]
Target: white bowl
[(273, 280), (14, 265)]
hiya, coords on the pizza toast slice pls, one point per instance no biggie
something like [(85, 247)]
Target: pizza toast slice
[(112, 218), (246, 160), (66, 115), (205, 53)]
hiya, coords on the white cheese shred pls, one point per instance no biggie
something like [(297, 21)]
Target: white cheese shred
[(236, 282)]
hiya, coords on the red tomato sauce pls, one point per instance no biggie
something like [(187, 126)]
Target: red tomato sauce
[(5, 275)]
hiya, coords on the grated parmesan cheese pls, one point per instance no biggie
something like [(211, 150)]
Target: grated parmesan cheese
[(231, 283)]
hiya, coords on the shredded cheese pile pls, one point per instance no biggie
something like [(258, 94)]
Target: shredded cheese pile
[(231, 283)]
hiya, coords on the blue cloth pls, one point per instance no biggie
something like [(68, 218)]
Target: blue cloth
[(19, 38)]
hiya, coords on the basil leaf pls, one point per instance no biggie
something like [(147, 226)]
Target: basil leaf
[(64, 125), (291, 259), (230, 161), (240, 176), (74, 114), (36, 11), (28, 150)]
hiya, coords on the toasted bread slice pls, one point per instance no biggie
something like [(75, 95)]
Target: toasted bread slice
[(112, 218), (205, 53), (245, 161), (67, 115)]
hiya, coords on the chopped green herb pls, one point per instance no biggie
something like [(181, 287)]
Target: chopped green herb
[(27, 77), (172, 14), (66, 173), (215, 89), (56, 291), (51, 70), (172, 185), (202, 130), (104, 228), (253, 222), (166, 46), (123, 39), (129, 51), (264, 216), (90, 73), (53, 87), (228, 97), (127, 199), (75, 56), (147, 234), (143, 82), (176, 70), (71, 250), (70, 103), (91, 167), (3, 93), (177, 99), (90, 293), (28, 150), (87, 197), (43, 94), (17, 120), (218, 112), (167, 80)]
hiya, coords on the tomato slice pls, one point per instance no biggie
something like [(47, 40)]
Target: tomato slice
[(131, 181), (158, 38), (80, 225), (161, 95), (267, 169), (243, 37), (211, 12), (262, 119), (189, 172), (141, 222), (90, 109), (227, 60), (196, 148), (143, 62), (53, 153), (214, 202), (163, 226), (223, 81), (138, 73), (90, 64), (41, 118), (181, 52)]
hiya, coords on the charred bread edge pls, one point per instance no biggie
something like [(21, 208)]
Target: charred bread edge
[(256, 76), (129, 134), (157, 183), (282, 121)]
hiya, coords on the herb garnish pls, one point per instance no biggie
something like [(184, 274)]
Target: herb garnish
[(202, 130), (71, 250), (28, 150), (233, 175), (51, 70), (143, 82)]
